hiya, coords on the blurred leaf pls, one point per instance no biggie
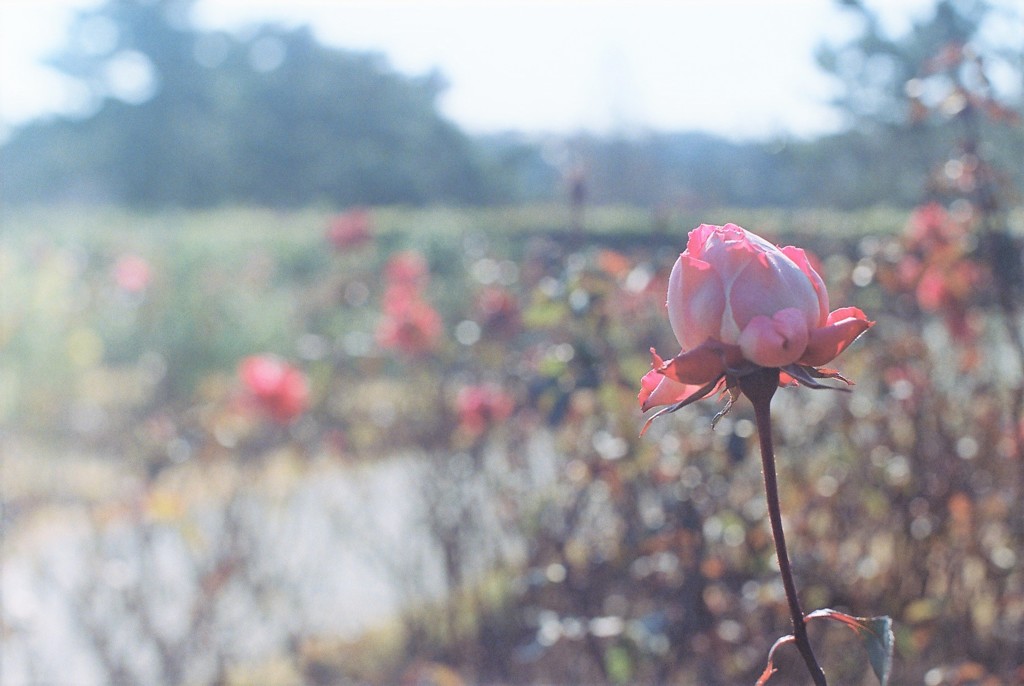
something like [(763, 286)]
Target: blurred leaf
[(875, 633), (922, 610), (619, 665), (545, 314)]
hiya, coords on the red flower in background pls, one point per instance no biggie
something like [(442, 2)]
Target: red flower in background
[(482, 406), (930, 227), (410, 324), (737, 303), (407, 269), (350, 229), (938, 268), (274, 386), (132, 273), (948, 289)]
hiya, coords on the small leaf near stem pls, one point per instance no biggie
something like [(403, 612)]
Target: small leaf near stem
[(760, 386), (769, 669), (874, 632)]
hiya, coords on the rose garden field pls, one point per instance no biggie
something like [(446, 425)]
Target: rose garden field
[(394, 446)]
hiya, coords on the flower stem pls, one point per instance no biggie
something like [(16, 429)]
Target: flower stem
[(760, 387)]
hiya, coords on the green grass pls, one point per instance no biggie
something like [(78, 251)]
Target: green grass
[(230, 228)]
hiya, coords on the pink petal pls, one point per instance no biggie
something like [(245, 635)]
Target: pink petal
[(799, 257), (696, 301), (697, 239), (729, 250), (699, 366), (262, 374), (656, 390), (766, 286), (842, 327), (775, 341)]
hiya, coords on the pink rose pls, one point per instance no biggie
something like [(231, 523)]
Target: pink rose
[(276, 387), (408, 268), (736, 303), (350, 229), (410, 324), (481, 406)]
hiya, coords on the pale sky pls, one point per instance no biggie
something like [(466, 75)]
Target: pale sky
[(740, 68)]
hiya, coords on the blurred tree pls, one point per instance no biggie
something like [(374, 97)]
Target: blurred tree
[(179, 116), (170, 115), (886, 82), (874, 68)]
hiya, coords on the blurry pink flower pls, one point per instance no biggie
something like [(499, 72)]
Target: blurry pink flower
[(736, 303), (276, 387), (350, 229), (410, 325), (932, 228), (949, 286), (407, 268), (949, 289), (132, 273), (481, 406), (927, 224)]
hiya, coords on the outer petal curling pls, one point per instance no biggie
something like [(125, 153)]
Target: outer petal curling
[(656, 390), (702, 392), (841, 329)]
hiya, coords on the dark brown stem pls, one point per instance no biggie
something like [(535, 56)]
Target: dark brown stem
[(760, 387)]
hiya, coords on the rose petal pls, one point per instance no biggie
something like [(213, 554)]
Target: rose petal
[(799, 257), (696, 300), (261, 374), (842, 327), (765, 287), (697, 240), (702, 392), (704, 363), (775, 341), (656, 390)]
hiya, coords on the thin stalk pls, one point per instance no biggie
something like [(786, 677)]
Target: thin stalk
[(760, 387)]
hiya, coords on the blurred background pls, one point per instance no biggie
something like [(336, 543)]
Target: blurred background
[(322, 324)]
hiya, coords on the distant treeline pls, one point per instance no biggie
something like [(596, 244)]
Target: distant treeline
[(179, 117)]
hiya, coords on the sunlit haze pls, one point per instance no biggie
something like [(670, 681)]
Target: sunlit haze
[(740, 68)]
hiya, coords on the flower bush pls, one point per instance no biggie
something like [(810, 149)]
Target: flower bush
[(275, 387)]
